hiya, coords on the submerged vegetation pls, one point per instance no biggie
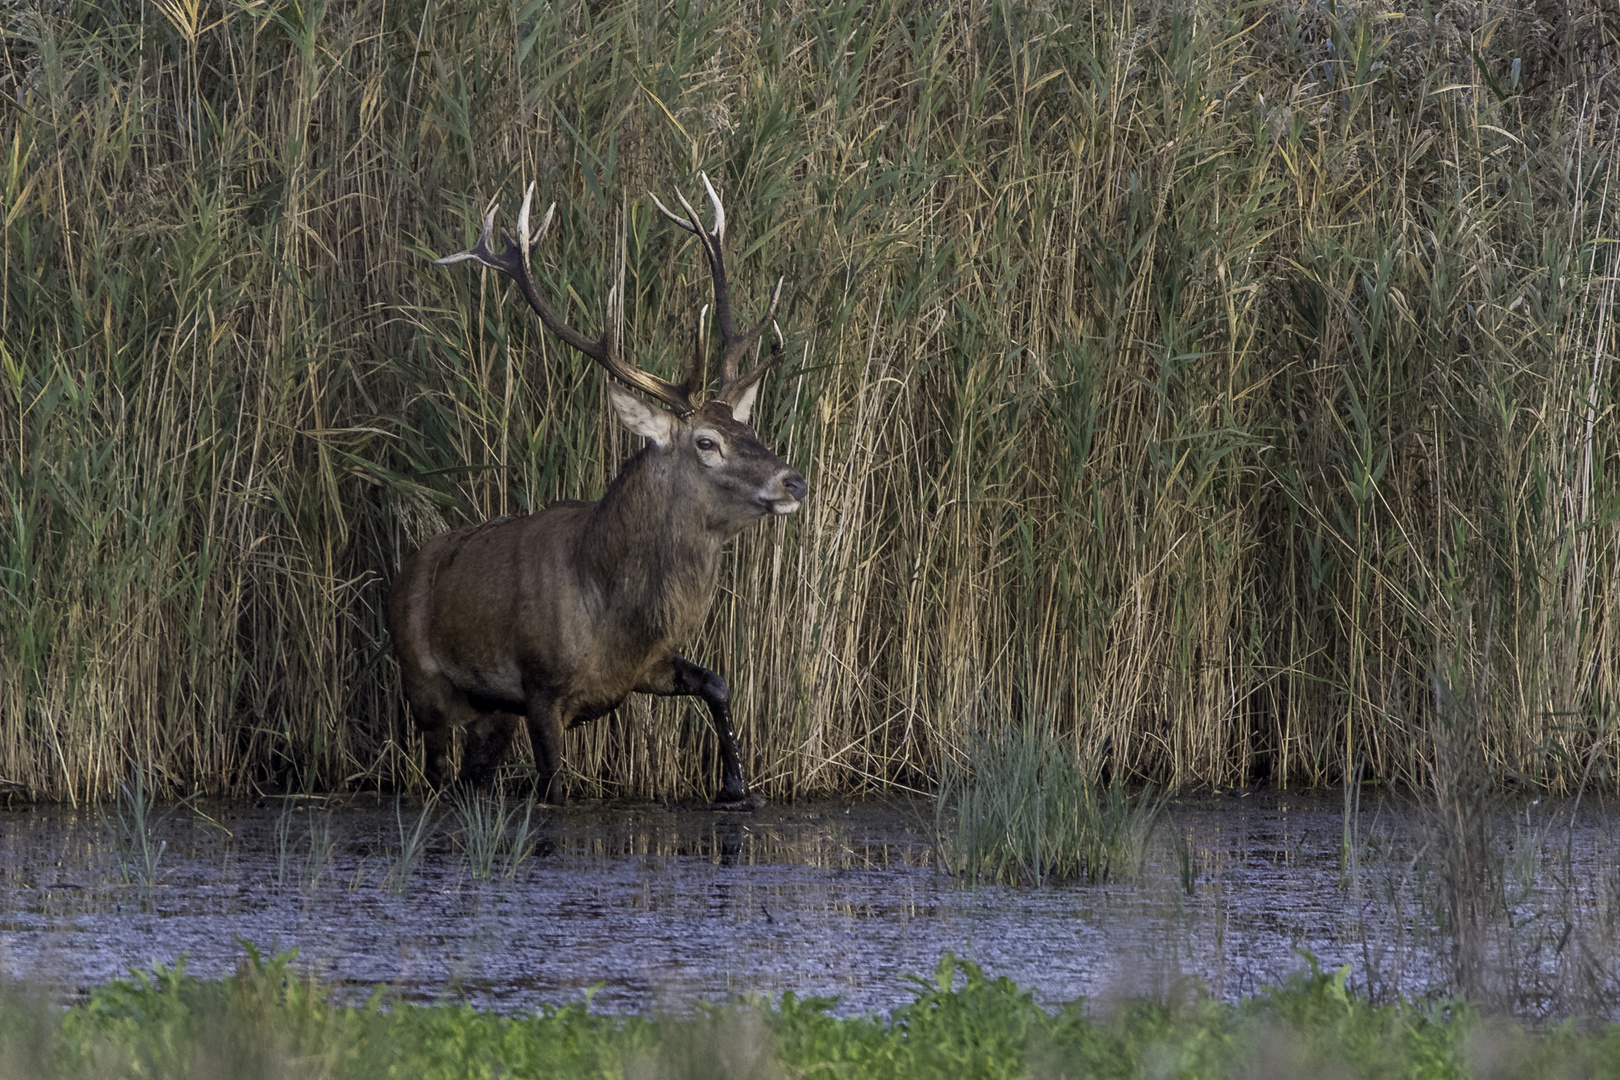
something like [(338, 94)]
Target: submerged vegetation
[(266, 1021), (1231, 383)]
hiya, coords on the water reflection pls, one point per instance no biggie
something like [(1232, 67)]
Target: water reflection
[(660, 908)]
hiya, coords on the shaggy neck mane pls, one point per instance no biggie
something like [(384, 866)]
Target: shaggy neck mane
[(646, 543)]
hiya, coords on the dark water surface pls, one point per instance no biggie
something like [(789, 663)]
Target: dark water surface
[(661, 908)]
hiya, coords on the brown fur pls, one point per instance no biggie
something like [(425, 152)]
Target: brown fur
[(558, 616)]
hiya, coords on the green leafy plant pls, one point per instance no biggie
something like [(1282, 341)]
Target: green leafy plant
[(270, 1020)]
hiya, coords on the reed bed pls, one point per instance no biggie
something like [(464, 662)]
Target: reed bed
[(1215, 380)]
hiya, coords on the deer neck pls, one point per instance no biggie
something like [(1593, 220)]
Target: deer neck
[(647, 544)]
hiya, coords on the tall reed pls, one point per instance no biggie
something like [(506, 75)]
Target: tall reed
[(1159, 367)]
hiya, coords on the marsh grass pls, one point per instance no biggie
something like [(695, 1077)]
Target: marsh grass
[(1186, 865), (318, 849), (1024, 809), (284, 845), (1523, 918), (413, 840), (302, 845), (522, 840), (491, 834), (138, 852), (1159, 368)]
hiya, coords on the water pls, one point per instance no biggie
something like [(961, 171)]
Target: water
[(648, 909)]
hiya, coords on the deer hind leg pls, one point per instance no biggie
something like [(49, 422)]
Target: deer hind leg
[(682, 678), (438, 740), (488, 739), (434, 710), (438, 709)]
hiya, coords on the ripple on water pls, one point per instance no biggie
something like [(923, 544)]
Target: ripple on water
[(658, 909)]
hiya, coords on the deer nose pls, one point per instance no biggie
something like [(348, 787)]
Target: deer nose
[(797, 489)]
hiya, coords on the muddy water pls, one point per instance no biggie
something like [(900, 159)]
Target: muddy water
[(656, 909)]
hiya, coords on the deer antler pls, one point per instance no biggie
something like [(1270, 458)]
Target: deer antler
[(733, 344), (514, 262)]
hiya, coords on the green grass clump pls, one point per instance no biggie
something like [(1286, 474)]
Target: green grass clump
[(490, 833), (1212, 378), (1025, 809), (138, 852), (266, 1022), (413, 841)]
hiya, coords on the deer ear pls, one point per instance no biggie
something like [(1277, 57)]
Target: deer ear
[(641, 418), (745, 402)]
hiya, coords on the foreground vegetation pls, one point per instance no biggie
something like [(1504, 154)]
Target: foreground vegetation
[(1230, 386), (265, 1022)]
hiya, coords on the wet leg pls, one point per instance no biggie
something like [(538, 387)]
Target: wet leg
[(438, 739), (682, 678)]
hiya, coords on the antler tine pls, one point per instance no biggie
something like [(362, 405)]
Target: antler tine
[(690, 223), (696, 375), (528, 243), (513, 261), (479, 251), (733, 343), (734, 389), (737, 344), (719, 211), (697, 371), (676, 218)]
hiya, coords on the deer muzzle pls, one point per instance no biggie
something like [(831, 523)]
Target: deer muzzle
[(790, 492)]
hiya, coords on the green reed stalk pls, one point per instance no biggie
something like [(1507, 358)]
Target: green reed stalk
[(137, 851)]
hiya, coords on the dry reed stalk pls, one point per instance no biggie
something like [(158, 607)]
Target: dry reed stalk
[(1154, 369)]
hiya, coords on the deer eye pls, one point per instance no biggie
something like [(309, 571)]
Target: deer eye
[(706, 443)]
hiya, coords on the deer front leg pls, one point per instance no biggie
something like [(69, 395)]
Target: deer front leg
[(679, 677), (545, 733)]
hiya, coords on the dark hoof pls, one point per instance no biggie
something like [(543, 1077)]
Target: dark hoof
[(748, 801)]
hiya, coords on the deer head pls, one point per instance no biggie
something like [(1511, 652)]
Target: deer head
[(711, 452)]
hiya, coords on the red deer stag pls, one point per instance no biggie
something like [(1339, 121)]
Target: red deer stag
[(558, 616)]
